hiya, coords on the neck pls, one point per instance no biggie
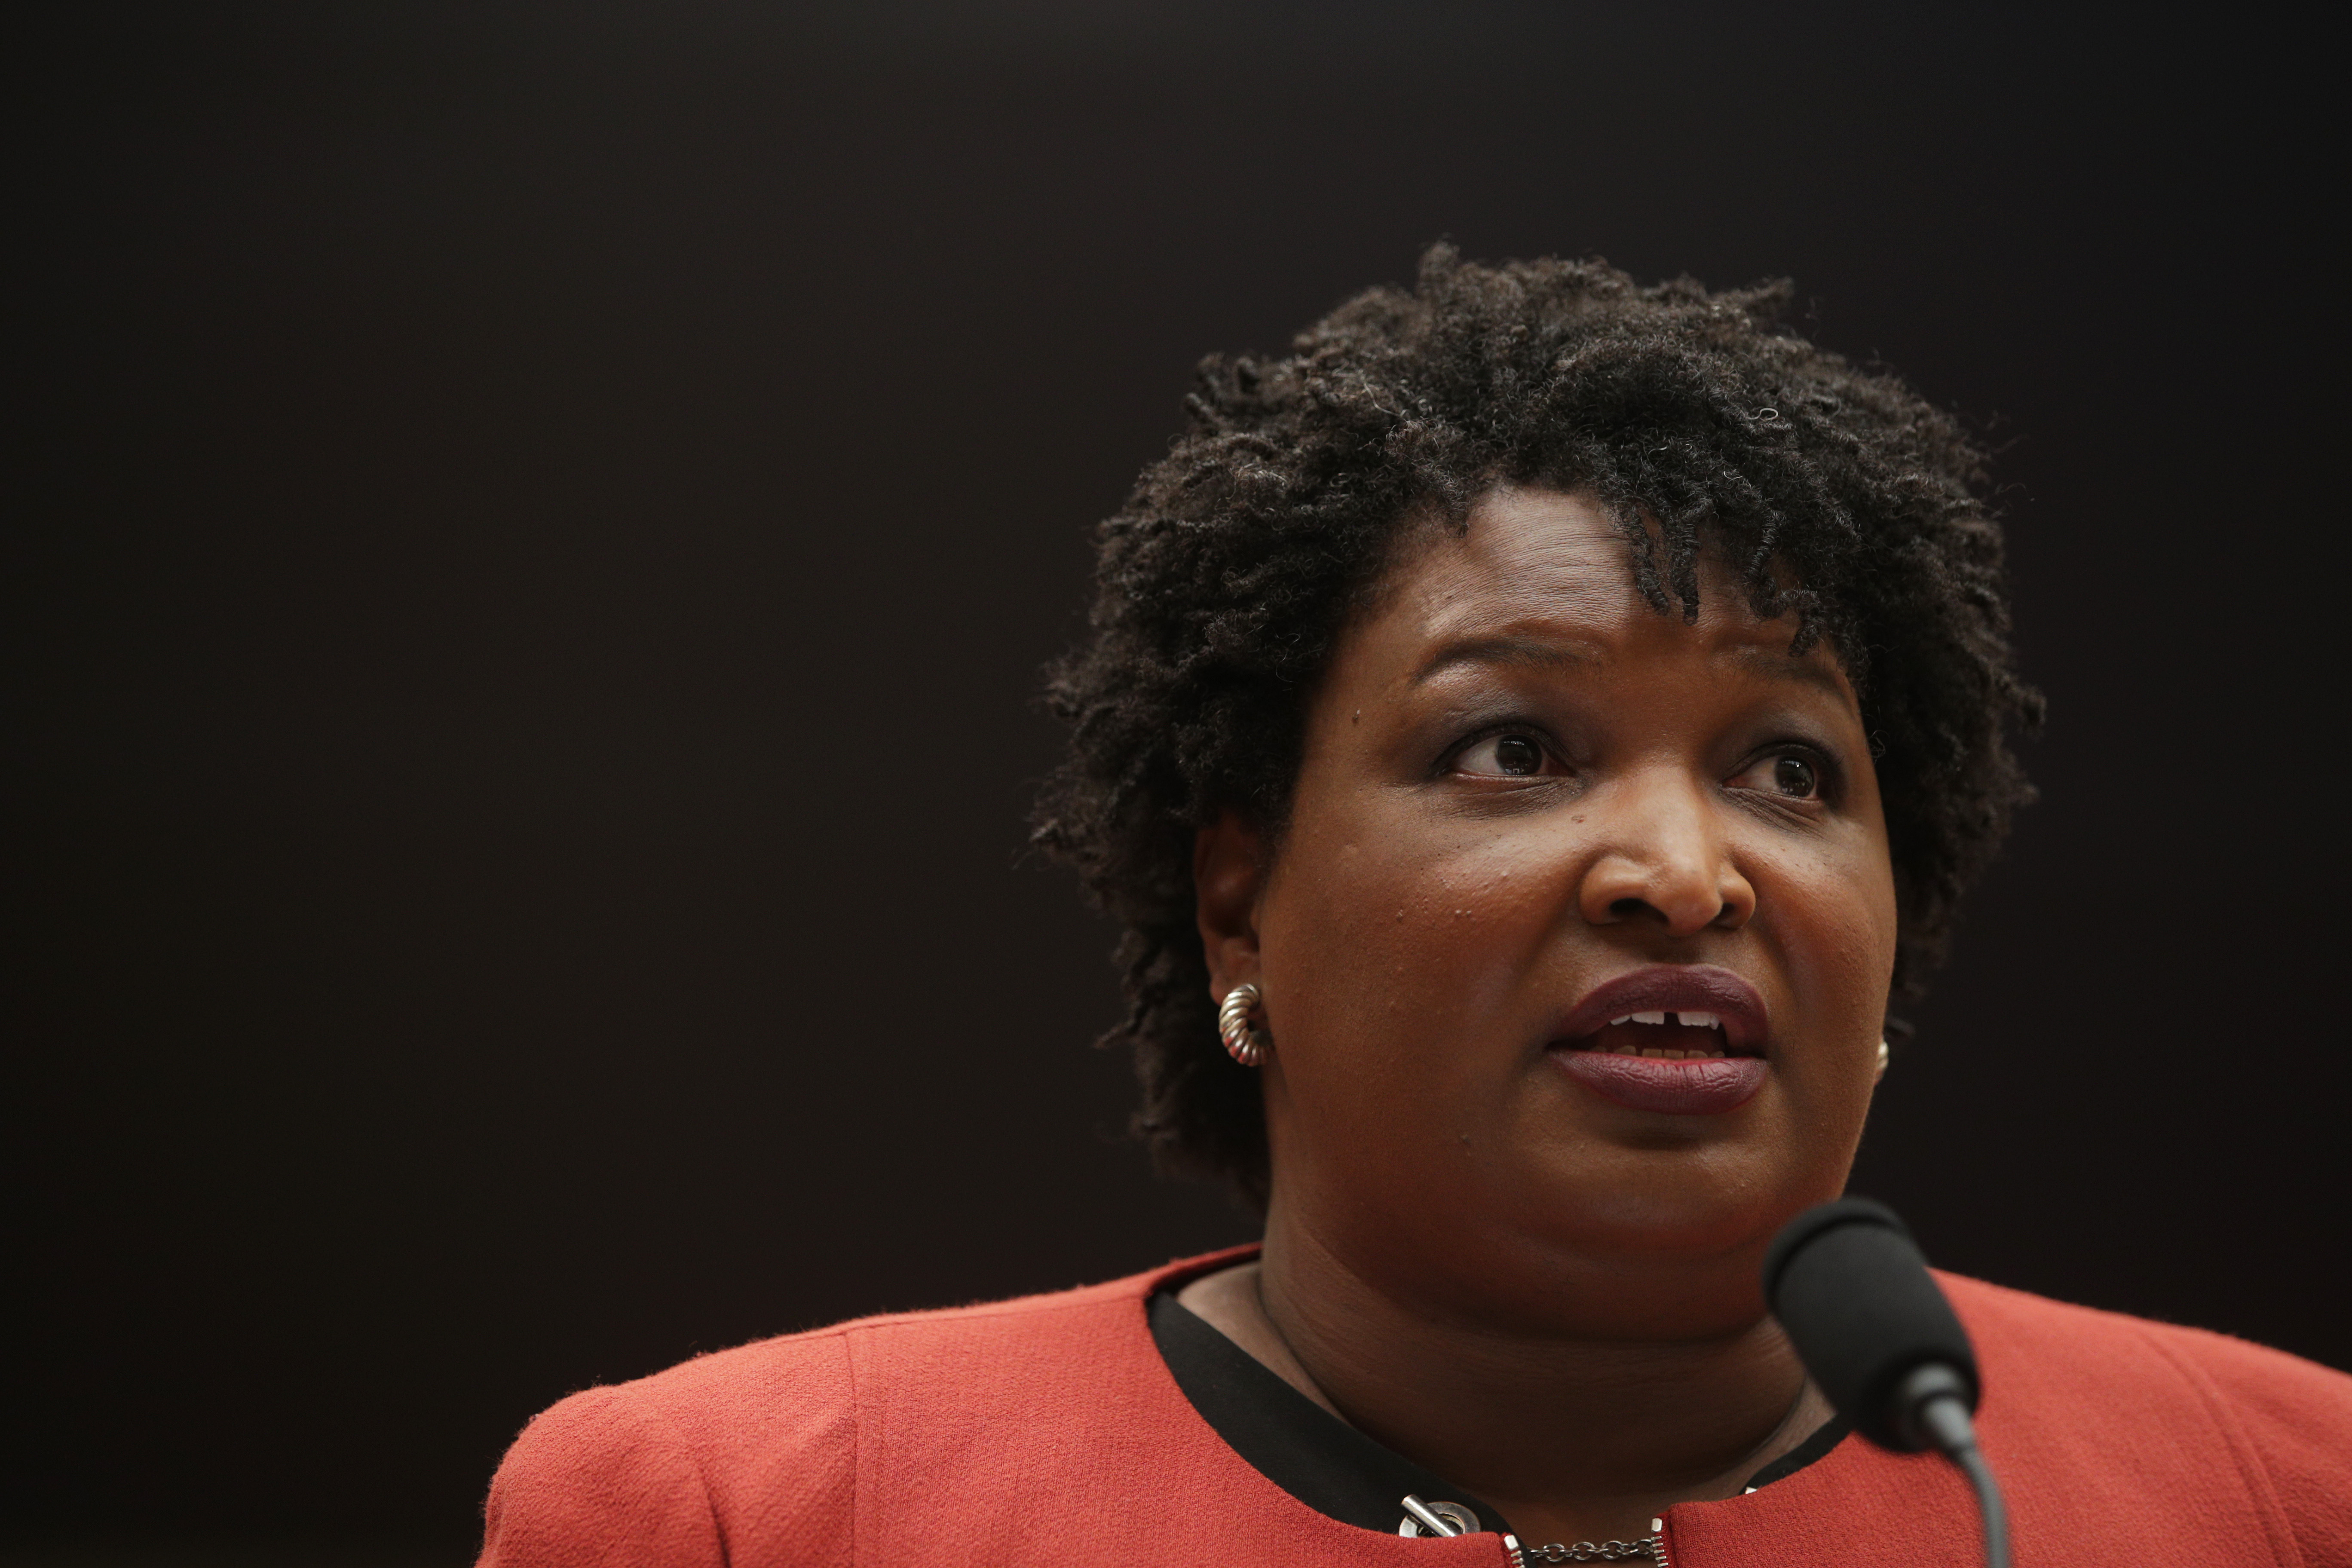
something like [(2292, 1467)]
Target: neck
[(1572, 1437)]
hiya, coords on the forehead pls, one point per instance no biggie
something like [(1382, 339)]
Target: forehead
[(1540, 575)]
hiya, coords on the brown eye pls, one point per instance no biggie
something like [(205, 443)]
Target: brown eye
[(1796, 778), (1510, 756)]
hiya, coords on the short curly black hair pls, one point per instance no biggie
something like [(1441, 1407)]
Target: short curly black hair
[(1845, 500)]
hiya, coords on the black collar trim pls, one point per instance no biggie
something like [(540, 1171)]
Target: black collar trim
[(1318, 1458)]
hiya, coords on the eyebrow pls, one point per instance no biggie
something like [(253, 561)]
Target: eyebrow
[(1788, 667), (1502, 650), (1541, 653)]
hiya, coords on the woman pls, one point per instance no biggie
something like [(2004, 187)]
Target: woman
[(1528, 735)]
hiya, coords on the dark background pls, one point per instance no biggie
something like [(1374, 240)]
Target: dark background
[(536, 531)]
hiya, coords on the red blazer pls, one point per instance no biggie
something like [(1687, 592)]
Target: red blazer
[(1048, 1430)]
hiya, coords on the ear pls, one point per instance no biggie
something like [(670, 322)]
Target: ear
[(1228, 874)]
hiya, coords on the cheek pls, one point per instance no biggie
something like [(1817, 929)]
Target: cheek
[(1387, 956), (1836, 926)]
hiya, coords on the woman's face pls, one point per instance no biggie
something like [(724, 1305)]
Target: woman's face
[(1530, 806)]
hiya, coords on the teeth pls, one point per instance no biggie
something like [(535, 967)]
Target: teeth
[(1688, 1020), (1664, 1053)]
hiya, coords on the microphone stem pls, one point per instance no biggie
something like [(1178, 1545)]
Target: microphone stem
[(1990, 1506), (1944, 1419)]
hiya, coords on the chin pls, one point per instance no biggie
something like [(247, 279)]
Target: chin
[(1662, 1209)]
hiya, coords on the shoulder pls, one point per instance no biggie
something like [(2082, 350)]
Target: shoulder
[(2281, 1423), (765, 1439), (2234, 1372), (644, 1472)]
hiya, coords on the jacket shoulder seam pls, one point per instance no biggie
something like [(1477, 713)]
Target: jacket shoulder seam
[(2284, 1549)]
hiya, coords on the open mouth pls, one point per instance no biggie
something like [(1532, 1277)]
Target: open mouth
[(1673, 1036), (1682, 1039)]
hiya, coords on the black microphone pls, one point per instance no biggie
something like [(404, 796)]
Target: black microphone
[(1852, 1292)]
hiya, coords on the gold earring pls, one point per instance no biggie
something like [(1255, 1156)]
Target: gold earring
[(1243, 1044), (1885, 1055)]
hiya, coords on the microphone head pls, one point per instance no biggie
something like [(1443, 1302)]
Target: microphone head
[(1852, 1291)]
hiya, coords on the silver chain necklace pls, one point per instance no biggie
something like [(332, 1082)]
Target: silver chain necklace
[(1453, 1519), (1649, 1549)]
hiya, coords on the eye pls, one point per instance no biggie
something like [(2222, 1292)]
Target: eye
[(1787, 775), (1511, 756), (1796, 778)]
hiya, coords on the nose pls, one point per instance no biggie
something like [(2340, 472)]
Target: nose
[(1662, 857)]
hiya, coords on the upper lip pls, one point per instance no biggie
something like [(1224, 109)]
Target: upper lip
[(1673, 988)]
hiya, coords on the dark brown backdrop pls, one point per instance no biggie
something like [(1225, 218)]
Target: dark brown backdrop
[(537, 529)]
